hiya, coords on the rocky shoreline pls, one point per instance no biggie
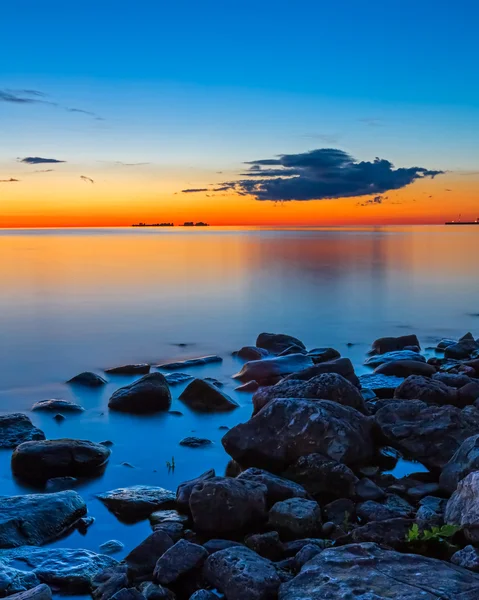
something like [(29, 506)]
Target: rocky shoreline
[(307, 508)]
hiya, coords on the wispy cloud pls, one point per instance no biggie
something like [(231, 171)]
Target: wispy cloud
[(137, 164), (39, 160), (36, 97), (194, 190), (372, 201), (11, 180), (372, 121), (86, 179), (44, 171)]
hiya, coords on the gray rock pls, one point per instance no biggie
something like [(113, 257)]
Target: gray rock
[(383, 386), (167, 516), (278, 488), (340, 511), (462, 508), (277, 342), (109, 581), (389, 532), (178, 378), (111, 547), (178, 561), (195, 442), (391, 357), (176, 531), (393, 344), (467, 557), (464, 461), (431, 512), (184, 490), (36, 519), (287, 429), (54, 404), (250, 386), (137, 369), (342, 366), (127, 594), (368, 490), (147, 395), (203, 396), (141, 560), (374, 511), (320, 355), (137, 502), (296, 518), (367, 571), (251, 353), (87, 379), (431, 391), (216, 545), (241, 574), (192, 362), (293, 547), (45, 459), (454, 380), (464, 348), (39, 592), (154, 591), (404, 368), (269, 370), (306, 553), (16, 428), (16, 581), (267, 545)]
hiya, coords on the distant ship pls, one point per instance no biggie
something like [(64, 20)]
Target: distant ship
[(460, 222), (153, 225)]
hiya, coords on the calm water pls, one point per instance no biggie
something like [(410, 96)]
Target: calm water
[(75, 300)]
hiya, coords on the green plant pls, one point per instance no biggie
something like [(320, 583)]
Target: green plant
[(171, 465), (438, 534)]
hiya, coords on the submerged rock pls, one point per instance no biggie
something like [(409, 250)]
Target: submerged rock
[(195, 442), (192, 362), (137, 502), (88, 379), (204, 396), (147, 395), (112, 547), (277, 342), (16, 428), (270, 370), (36, 519), (138, 369), (392, 344), (383, 386), (464, 461), (55, 404)]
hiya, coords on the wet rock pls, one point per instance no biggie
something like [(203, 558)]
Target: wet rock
[(194, 442), (467, 557), (462, 508), (154, 591), (427, 433), (17, 582), (328, 386), (250, 386), (84, 524), (268, 545), (36, 519), (149, 394), (383, 386), (431, 512), (321, 476), (138, 369), (251, 353), (178, 561), (341, 366), (464, 348), (444, 343), (16, 428), (108, 582), (39, 592), (390, 532), (58, 484), (167, 516), (320, 355), (192, 362), (464, 461), (296, 518), (392, 357), (368, 571), (203, 595), (178, 378), (277, 342), (44, 459), (216, 545), (241, 574), (111, 547), (269, 370), (404, 368), (137, 502), (431, 391), (453, 380), (277, 488), (87, 379), (226, 505), (393, 344), (184, 490), (54, 404), (141, 560), (340, 511), (176, 531), (286, 429), (203, 396), (368, 490)]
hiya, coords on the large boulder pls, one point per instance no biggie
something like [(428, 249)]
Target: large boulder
[(286, 429), (45, 459), (241, 574), (184, 490), (341, 366), (224, 505), (464, 461), (16, 428), (270, 370), (462, 508), (277, 488), (137, 502), (431, 391), (391, 344), (142, 559), (404, 368), (251, 353), (147, 395), (367, 571), (203, 396), (178, 562), (18, 582), (277, 342), (427, 433), (37, 519), (463, 348), (328, 386), (296, 518), (392, 357)]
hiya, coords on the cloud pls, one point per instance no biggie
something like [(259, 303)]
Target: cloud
[(87, 179), (138, 164), (38, 160), (11, 180), (85, 112), (194, 190), (44, 171), (372, 122), (375, 200), (36, 97), (322, 174)]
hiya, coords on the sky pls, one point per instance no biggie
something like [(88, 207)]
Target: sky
[(251, 113)]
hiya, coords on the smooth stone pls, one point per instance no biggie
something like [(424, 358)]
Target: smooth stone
[(404, 368), (464, 461), (39, 592), (137, 502), (393, 344), (195, 442), (277, 342), (422, 489), (203, 396), (147, 395), (251, 353), (46, 459), (383, 386), (270, 370), (389, 357), (16, 428), (444, 343), (467, 557), (178, 561), (54, 404), (178, 378), (138, 369), (58, 484), (111, 547), (454, 380), (320, 355), (293, 349), (296, 518), (88, 379), (462, 508), (341, 366), (368, 490), (192, 362), (36, 519), (277, 488), (249, 386), (154, 591), (463, 349), (431, 391), (184, 490), (268, 545), (374, 511), (142, 559)]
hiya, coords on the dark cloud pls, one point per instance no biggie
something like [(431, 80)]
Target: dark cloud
[(322, 174), (223, 188), (36, 97), (85, 112), (194, 190), (372, 201), (11, 180), (38, 160), (86, 179)]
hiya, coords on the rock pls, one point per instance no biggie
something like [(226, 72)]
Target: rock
[(184, 490), (175, 413), (400, 506), (203, 396), (226, 505), (177, 378), (383, 386), (367, 571), (328, 386), (87, 379), (241, 574), (194, 442), (268, 545), (138, 369), (296, 518), (153, 591), (431, 391), (251, 353), (374, 511), (464, 348), (59, 417), (464, 461), (269, 370), (453, 380), (444, 343), (127, 594), (277, 342), (340, 511), (16, 428), (250, 386), (293, 547), (58, 484), (277, 488), (203, 595), (467, 557), (17, 582), (55, 404), (286, 429), (137, 502), (462, 508), (393, 344), (392, 357), (192, 362), (44, 459), (294, 349), (39, 592), (216, 545), (341, 366), (322, 476), (320, 355), (69, 570), (404, 368), (468, 394), (426, 433), (178, 561), (368, 490), (167, 516), (111, 547), (422, 489), (176, 531), (390, 532), (36, 519), (141, 560), (147, 395), (109, 581)]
